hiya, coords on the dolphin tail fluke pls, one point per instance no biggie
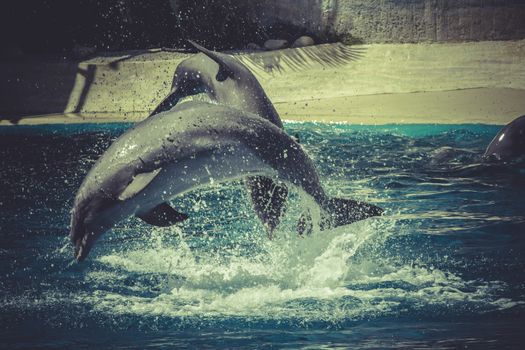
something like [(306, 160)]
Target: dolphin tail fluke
[(343, 211), (339, 212), (162, 215)]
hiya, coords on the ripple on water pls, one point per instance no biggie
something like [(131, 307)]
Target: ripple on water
[(449, 247)]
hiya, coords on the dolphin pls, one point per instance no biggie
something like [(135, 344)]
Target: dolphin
[(509, 142), (228, 81), (224, 79), (192, 145)]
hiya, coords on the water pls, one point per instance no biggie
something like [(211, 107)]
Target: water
[(444, 268)]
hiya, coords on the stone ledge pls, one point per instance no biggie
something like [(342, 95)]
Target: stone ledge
[(484, 105), (331, 76)]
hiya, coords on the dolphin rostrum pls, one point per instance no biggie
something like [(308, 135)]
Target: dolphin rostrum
[(228, 81), (192, 145)]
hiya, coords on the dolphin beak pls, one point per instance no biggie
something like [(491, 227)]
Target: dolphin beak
[(80, 248), (80, 254), (83, 246), (83, 240)]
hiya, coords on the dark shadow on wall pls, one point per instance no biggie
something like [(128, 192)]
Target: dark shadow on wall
[(289, 19), (40, 80), (89, 77), (37, 26), (320, 19), (219, 24), (35, 87), (232, 24), (32, 88), (332, 16)]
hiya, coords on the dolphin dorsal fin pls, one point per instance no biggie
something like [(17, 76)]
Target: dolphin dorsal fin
[(225, 70)]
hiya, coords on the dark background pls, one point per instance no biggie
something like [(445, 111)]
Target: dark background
[(59, 26), (53, 26)]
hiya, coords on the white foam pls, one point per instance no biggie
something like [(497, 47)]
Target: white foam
[(292, 277)]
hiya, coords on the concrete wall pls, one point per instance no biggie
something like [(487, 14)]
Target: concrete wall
[(125, 85), (405, 20), (114, 84)]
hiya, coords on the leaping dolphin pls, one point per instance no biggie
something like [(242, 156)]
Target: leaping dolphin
[(192, 145), (224, 79), (228, 81)]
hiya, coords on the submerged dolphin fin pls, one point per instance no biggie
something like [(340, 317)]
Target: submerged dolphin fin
[(225, 71), (268, 200), (139, 182), (338, 212), (162, 215)]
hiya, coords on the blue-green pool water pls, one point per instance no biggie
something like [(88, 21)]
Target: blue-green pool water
[(444, 268)]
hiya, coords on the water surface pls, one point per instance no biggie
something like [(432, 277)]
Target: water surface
[(444, 268)]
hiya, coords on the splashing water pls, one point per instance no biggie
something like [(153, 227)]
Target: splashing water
[(449, 249)]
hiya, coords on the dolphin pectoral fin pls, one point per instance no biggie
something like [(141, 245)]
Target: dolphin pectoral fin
[(139, 182), (268, 199), (340, 211), (162, 215), (225, 71)]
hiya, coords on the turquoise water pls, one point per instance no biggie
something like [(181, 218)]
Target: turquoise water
[(444, 268)]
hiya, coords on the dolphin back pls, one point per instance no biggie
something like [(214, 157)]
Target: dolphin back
[(509, 143)]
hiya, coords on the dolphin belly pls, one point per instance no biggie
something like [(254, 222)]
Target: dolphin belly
[(209, 168)]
